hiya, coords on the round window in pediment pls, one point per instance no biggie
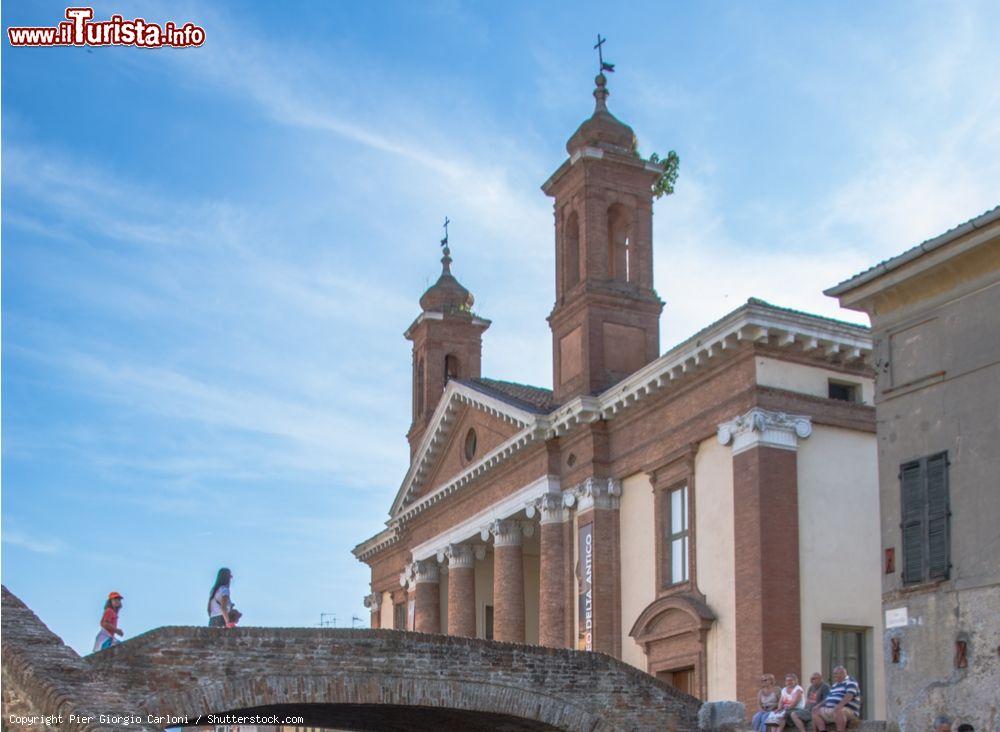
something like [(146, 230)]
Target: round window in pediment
[(470, 444)]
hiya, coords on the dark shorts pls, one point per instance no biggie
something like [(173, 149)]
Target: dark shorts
[(216, 621), (804, 715)]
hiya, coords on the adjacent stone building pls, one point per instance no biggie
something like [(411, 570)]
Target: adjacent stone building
[(935, 313), (704, 514)]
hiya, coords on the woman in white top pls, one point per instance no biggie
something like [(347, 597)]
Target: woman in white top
[(792, 697), (219, 602)]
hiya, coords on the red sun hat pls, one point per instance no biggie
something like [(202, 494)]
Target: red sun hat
[(116, 596)]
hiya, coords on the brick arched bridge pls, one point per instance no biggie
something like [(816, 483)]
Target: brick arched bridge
[(346, 679)]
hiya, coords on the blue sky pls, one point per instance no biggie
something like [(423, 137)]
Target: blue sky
[(210, 255)]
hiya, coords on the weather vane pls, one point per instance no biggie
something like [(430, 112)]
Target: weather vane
[(600, 55), (444, 242)]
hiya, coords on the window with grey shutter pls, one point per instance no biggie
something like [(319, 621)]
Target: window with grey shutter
[(938, 542), (925, 516), (911, 484)]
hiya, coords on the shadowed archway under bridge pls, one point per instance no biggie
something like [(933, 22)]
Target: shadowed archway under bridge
[(349, 679)]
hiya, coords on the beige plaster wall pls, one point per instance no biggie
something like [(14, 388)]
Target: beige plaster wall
[(638, 556), (808, 379), (713, 494), (484, 590), (385, 612), (840, 547)]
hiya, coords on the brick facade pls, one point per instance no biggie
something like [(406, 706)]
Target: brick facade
[(555, 461), (426, 607), (462, 602), (508, 583), (767, 568), (607, 579), (552, 615)]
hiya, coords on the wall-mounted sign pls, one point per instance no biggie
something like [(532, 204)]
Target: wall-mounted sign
[(585, 576), (896, 618)]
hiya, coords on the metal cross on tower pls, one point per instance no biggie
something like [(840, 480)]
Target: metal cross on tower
[(444, 242), (600, 55)]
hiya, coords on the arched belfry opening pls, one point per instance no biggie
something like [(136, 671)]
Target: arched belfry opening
[(621, 264), (571, 251), (451, 368), (418, 388)]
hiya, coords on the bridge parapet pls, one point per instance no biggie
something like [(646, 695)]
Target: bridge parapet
[(353, 679), (45, 680)]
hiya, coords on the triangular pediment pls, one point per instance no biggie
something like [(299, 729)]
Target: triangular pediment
[(474, 433), (442, 451)]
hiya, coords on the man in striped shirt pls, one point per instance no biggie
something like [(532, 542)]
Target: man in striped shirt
[(841, 705)]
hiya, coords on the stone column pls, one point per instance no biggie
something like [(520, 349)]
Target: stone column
[(552, 615), (461, 590), (427, 602), (508, 582), (766, 517), (374, 603), (597, 502)]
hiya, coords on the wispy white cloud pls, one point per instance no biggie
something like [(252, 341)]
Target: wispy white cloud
[(37, 544), (316, 409), (414, 123)]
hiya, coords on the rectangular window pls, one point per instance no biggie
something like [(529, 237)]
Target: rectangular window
[(681, 679), (844, 391), (925, 519), (488, 622), (677, 535), (399, 616), (846, 647)]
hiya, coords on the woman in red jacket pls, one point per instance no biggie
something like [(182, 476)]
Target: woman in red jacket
[(109, 623)]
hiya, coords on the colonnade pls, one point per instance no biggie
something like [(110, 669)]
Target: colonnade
[(556, 517)]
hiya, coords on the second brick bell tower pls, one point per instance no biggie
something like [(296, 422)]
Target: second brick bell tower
[(606, 319)]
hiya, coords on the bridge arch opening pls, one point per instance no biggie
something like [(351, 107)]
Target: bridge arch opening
[(382, 717)]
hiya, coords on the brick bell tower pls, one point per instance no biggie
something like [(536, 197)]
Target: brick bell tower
[(447, 344), (606, 319)]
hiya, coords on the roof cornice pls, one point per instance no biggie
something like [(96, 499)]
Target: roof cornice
[(472, 319), (894, 263), (834, 341), (382, 540), (755, 322), (591, 153)]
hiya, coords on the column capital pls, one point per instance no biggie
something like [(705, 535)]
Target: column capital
[(595, 493), (374, 601), (764, 428), (425, 570), (550, 507), (459, 556), (506, 532)]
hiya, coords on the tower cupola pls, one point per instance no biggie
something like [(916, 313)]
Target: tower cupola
[(606, 319), (447, 343), (602, 130), (447, 294)]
